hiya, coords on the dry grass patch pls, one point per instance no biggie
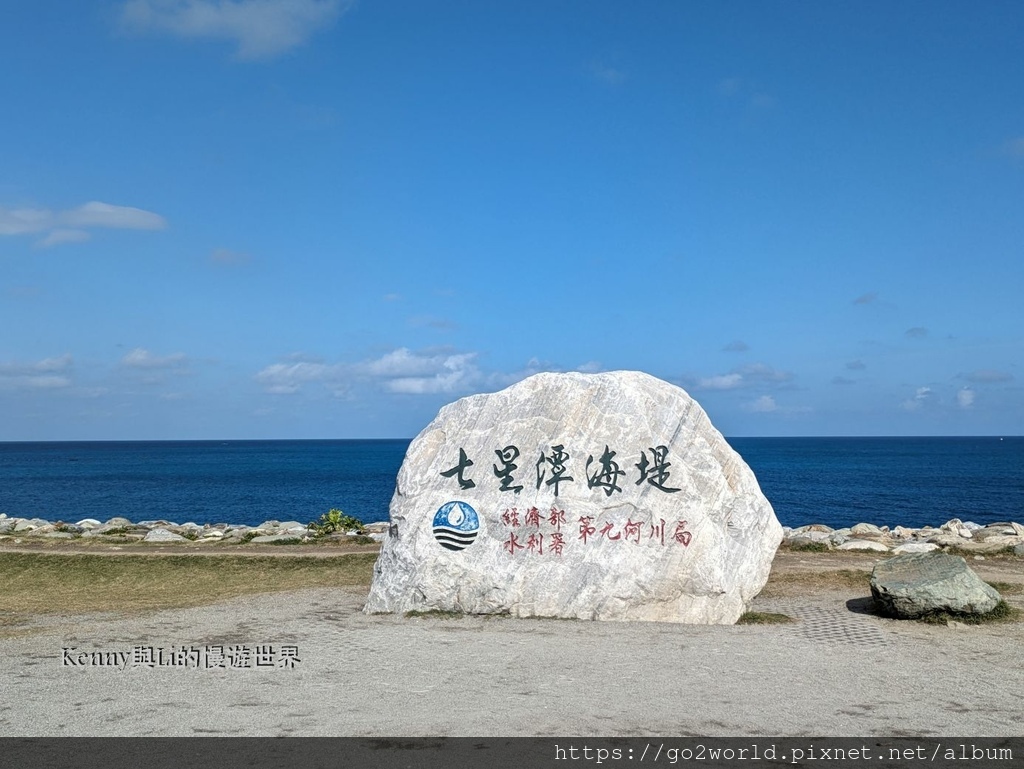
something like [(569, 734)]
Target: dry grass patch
[(796, 582), (43, 583)]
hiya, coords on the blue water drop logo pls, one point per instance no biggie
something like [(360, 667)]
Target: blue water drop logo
[(456, 525)]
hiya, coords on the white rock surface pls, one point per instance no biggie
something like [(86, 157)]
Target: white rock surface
[(163, 535), (863, 544), (915, 547), (630, 506)]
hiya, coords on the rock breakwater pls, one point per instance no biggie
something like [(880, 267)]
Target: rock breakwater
[(165, 532), (964, 537)]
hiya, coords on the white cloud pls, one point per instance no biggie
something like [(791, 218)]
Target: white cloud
[(590, 367), (743, 376), (917, 332), (287, 378), (44, 374), (403, 371), (720, 382), (399, 371), (867, 298), (737, 345), (144, 359), (921, 396), (763, 405), (260, 28), (72, 225), (965, 397), (97, 214), (607, 75), (56, 237)]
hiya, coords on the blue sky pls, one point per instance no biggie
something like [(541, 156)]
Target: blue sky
[(321, 219)]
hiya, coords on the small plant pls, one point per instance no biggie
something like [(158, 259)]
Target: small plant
[(1002, 612), (249, 536), (810, 547), (190, 534), (763, 618), (335, 520)]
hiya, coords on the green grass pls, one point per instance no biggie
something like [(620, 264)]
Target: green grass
[(44, 583), (764, 618), (1002, 613), (435, 613), (1008, 588), (969, 554), (809, 547)]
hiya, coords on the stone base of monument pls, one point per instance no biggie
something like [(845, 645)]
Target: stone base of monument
[(918, 584), (590, 496)]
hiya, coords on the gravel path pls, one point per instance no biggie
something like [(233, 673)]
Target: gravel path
[(837, 671)]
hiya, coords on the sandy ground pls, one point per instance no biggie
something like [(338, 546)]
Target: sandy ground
[(838, 671)]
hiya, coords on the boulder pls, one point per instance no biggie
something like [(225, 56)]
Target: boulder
[(915, 547), (864, 544), (163, 535), (909, 586), (591, 496), (868, 530)]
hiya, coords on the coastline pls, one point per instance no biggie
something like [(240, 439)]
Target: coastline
[(960, 537)]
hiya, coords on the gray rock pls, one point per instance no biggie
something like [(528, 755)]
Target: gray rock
[(59, 535), (594, 496), (867, 530), (915, 547), (909, 586), (39, 531), (117, 522), (864, 544), (804, 542), (163, 535), (1018, 549), (994, 530), (88, 523)]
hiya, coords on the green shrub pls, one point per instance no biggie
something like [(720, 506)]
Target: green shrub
[(810, 547), (335, 520)]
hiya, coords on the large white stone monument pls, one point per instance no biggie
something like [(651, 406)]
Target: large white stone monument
[(594, 496)]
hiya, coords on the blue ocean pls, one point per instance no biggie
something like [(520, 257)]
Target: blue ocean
[(837, 481)]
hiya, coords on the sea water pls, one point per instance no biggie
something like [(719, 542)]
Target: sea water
[(837, 481)]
